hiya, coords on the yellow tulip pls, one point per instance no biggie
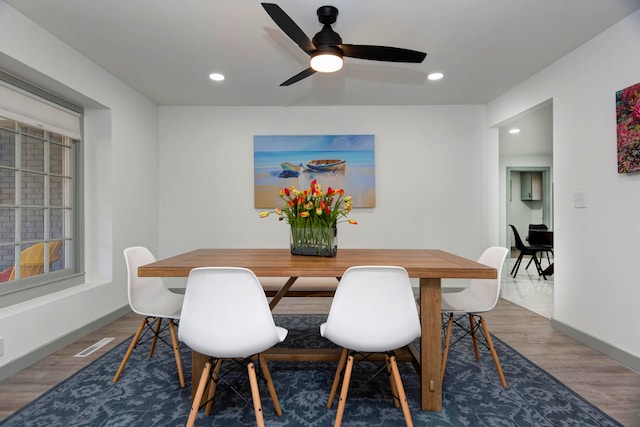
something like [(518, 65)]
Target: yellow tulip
[(264, 214)]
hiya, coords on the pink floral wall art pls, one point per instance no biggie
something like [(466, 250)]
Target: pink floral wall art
[(628, 120)]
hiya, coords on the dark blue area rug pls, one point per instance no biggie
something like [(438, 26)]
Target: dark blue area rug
[(148, 392)]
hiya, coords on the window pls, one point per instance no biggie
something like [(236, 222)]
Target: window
[(38, 204)]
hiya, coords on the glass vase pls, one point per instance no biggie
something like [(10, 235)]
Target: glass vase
[(314, 241)]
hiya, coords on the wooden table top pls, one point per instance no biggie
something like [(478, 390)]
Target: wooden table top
[(419, 263)]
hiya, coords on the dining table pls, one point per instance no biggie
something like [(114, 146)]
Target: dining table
[(430, 266)]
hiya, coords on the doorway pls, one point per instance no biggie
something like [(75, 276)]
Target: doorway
[(526, 170), (528, 198)]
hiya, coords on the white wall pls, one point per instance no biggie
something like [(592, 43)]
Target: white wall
[(596, 280), (429, 176), (120, 190)]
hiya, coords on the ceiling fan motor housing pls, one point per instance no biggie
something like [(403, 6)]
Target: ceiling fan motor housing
[(327, 37)]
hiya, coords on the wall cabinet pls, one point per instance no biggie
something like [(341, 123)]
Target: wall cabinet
[(531, 186)]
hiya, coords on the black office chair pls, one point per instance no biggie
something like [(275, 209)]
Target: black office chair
[(540, 239), (525, 250)]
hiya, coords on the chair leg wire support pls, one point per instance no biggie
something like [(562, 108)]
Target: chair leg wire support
[(146, 327), (343, 372), (476, 323), (211, 377)]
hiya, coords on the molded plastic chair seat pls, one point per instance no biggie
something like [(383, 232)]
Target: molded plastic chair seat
[(226, 315), (479, 297), (150, 297), (373, 311)]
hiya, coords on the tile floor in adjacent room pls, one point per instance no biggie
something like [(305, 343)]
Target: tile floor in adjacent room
[(528, 289)]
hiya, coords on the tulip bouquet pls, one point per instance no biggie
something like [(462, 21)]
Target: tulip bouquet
[(313, 215)]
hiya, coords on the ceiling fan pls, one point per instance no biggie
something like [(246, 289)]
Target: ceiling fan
[(326, 48)]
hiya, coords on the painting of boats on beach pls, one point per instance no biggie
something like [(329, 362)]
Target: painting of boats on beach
[(337, 161)]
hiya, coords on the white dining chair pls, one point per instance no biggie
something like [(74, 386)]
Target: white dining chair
[(480, 296), (150, 298), (226, 315), (373, 311)]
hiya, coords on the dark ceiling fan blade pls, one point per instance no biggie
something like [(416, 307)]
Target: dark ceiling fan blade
[(301, 75), (289, 27), (382, 53)]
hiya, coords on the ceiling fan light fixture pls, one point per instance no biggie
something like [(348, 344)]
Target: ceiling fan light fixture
[(326, 48), (326, 62)]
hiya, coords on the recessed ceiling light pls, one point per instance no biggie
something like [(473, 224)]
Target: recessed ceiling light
[(514, 130), (217, 77), (435, 76)]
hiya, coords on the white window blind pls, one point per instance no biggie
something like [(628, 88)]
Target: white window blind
[(24, 107)]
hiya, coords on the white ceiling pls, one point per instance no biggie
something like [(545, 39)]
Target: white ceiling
[(166, 48)]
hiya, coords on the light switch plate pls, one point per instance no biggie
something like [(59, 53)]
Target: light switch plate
[(580, 199)]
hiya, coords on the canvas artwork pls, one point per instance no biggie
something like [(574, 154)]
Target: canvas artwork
[(628, 128), (337, 161)]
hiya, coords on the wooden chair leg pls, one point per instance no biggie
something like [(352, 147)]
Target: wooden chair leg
[(336, 378), (493, 352), (195, 404), (272, 389), (473, 336), (447, 342), (255, 393), (176, 351), (155, 336), (401, 394), (212, 386), (343, 392), (134, 341), (394, 388)]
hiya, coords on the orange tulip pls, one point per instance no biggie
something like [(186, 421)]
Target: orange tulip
[(304, 214), (353, 221)]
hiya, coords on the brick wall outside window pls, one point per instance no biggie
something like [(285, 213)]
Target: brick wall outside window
[(34, 168)]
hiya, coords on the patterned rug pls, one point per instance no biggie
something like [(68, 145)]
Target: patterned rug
[(148, 392)]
